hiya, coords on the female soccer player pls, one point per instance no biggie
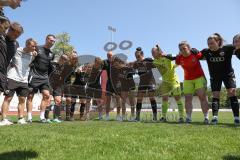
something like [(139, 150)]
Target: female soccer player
[(123, 84), (170, 83), (219, 60), (146, 86), (194, 80), (94, 89)]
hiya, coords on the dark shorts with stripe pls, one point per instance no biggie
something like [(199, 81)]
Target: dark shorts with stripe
[(3, 82), (39, 85), (229, 81), (94, 91), (21, 89), (75, 91)]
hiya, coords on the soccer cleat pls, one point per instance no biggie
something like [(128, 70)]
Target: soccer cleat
[(87, 117), (82, 117), (56, 121), (29, 121), (206, 121), (48, 121), (132, 118), (236, 122), (22, 121), (68, 119), (43, 121), (124, 118), (107, 118), (180, 120), (5, 122), (214, 121), (119, 118), (188, 120), (163, 119), (100, 118), (137, 119), (154, 119)]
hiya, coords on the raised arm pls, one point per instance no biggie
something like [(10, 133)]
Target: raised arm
[(237, 53), (170, 57), (11, 3), (236, 43)]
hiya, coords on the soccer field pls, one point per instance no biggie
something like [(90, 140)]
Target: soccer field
[(122, 140)]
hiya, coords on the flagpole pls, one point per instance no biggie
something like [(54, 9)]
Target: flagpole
[(112, 30)]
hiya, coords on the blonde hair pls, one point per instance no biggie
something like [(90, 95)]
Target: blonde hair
[(29, 40), (236, 37), (15, 26), (182, 43), (218, 38)]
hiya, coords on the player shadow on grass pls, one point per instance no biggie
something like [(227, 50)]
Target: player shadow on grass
[(231, 157), (194, 123), (18, 155)]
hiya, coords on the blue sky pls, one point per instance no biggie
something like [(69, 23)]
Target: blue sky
[(144, 22)]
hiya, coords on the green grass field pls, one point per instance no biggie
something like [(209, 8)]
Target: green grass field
[(122, 140)]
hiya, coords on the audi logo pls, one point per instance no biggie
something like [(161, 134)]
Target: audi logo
[(217, 59)]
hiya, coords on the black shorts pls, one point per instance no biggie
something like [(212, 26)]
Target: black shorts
[(74, 91), (94, 92), (229, 81), (3, 82), (39, 85), (57, 91), (20, 88), (145, 88), (127, 85), (109, 88)]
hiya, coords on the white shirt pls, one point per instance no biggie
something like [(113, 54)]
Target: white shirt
[(18, 70)]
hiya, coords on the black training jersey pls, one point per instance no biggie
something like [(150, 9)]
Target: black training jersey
[(42, 63), (145, 71), (94, 77), (107, 67), (3, 55), (237, 53), (220, 61), (80, 78), (58, 76), (12, 46), (126, 78)]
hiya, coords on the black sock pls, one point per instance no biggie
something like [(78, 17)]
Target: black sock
[(57, 112), (72, 109), (138, 108), (215, 106), (82, 108), (235, 106), (47, 110), (154, 106), (68, 111)]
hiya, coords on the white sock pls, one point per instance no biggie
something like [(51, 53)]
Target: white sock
[(236, 118), (100, 115), (29, 115), (42, 116), (189, 116), (206, 115), (131, 110), (215, 117)]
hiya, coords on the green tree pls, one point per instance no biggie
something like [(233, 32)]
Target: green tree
[(224, 100), (238, 93), (62, 45)]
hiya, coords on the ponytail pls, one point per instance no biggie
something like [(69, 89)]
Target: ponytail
[(139, 51), (218, 38)]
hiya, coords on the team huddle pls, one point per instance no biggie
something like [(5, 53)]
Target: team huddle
[(35, 68)]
